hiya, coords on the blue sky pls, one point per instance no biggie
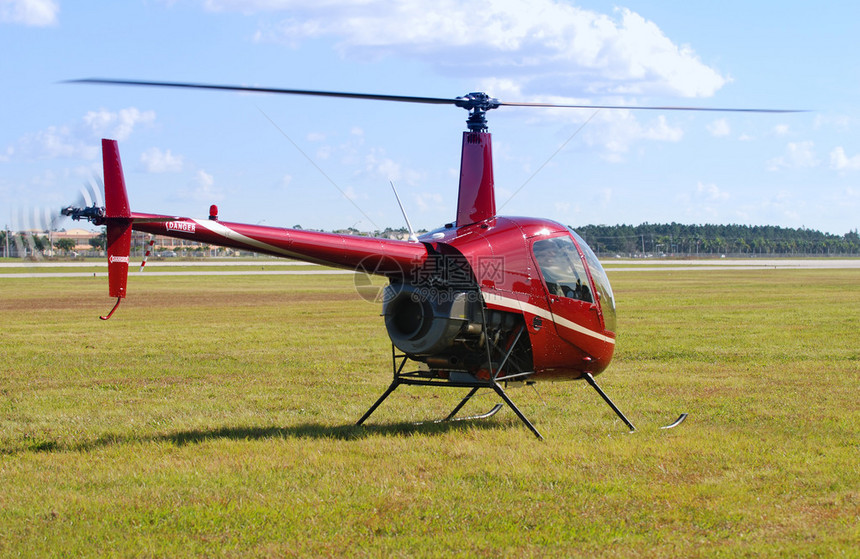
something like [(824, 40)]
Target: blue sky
[(327, 163)]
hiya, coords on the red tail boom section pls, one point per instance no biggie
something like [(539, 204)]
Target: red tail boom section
[(376, 256)]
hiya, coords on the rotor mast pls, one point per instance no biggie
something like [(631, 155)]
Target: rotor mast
[(476, 199)]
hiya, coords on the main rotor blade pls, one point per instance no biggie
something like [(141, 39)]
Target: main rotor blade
[(249, 89), (656, 108), (407, 98)]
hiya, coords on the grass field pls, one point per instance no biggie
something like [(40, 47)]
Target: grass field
[(214, 416)]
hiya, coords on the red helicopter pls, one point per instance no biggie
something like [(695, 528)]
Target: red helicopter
[(479, 303)]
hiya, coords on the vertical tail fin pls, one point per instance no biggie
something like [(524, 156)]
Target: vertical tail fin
[(118, 222)]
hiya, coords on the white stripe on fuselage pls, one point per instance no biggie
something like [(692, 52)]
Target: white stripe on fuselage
[(228, 233), (519, 306), (492, 298)]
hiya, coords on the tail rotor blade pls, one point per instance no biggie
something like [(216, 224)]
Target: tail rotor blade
[(86, 199), (98, 187)]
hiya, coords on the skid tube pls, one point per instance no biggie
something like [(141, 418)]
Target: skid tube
[(427, 378)]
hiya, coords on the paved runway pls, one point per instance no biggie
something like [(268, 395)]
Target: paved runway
[(621, 265)]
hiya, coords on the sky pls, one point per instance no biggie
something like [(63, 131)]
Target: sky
[(327, 163)]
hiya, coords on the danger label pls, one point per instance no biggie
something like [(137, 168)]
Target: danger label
[(184, 226)]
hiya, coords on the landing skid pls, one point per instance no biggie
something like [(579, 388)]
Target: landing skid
[(590, 380), (677, 422), (495, 409), (458, 379), (464, 380)]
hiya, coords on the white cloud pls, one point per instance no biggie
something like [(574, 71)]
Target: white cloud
[(710, 192), (430, 201), (386, 167), (798, 155), (617, 130), (547, 45), (156, 161), (7, 154), (784, 204), (202, 189), (838, 122), (719, 128), (52, 143), (79, 139), (117, 125), (376, 164), (36, 13), (661, 131), (841, 162), (705, 202), (781, 129)]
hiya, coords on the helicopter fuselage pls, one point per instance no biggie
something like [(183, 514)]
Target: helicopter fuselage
[(459, 288)]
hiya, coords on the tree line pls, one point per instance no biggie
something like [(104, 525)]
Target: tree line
[(629, 240), (13, 242), (704, 240)]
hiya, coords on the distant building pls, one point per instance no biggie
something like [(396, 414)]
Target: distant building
[(82, 238)]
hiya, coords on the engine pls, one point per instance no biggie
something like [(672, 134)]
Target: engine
[(448, 328)]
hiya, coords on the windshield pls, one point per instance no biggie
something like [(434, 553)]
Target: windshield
[(601, 283), (562, 268)]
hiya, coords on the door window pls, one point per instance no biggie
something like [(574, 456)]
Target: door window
[(562, 268)]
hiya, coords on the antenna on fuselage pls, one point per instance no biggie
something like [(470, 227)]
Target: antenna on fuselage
[(412, 237)]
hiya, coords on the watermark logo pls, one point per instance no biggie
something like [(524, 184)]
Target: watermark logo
[(435, 276), (445, 296), (455, 270), (491, 268), (371, 277)]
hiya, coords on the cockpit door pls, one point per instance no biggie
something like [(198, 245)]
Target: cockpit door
[(569, 288)]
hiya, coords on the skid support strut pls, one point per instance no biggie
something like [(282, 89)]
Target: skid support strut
[(382, 398), (590, 380), (477, 384), (461, 380)]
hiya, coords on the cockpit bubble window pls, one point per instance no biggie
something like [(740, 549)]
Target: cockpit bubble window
[(601, 283), (562, 268)]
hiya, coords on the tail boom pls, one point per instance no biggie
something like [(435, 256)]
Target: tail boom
[(379, 256)]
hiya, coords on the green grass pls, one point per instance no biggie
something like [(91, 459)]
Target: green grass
[(214, 416)]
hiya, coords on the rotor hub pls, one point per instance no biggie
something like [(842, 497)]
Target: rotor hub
[(477, 103), (94, 214)]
